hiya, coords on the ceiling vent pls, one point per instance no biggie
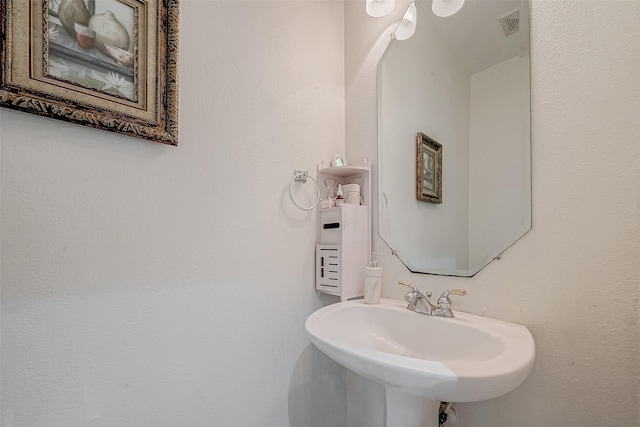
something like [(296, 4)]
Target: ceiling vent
[(510, 23)]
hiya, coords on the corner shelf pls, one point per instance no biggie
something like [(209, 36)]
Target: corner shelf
[(342, 175), (353, 248)]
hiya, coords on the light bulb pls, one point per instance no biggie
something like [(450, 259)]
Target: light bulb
[(378, 8), (407, 25), (444, 8)]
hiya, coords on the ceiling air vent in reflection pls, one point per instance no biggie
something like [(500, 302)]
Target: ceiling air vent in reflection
[(510, 23)]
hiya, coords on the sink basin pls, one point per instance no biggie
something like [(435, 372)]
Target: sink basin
[(464, 359)]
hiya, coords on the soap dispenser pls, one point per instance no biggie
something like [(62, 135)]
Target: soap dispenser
[(372, 281)]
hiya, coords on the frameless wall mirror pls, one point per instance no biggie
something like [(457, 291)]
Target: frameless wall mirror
[(464, 82)]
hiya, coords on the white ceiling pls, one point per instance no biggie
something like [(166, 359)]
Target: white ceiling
[(475, 33)]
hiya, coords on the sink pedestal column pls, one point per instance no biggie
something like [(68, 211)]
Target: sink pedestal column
[(404, 410)]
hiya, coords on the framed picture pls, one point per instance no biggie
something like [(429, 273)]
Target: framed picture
[(428, 169), (107, 64)]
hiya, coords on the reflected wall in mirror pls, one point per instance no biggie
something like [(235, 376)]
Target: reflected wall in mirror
[(466, 83)]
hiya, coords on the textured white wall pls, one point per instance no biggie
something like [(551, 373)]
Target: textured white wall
[(146, 285), (574, 278)]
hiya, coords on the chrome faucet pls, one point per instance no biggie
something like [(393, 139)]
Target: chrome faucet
[(421, 303), (418, 302)]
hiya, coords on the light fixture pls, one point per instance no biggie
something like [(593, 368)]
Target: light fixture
[(378, 8), (407, 25), (444, 8)]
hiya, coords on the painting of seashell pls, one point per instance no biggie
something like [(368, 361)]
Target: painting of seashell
[(109, 31)]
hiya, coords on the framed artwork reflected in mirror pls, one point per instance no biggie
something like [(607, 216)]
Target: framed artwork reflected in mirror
[(428, 169)]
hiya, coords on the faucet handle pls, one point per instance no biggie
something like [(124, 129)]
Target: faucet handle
[(444, 302), (444, 296), (407, 285), (414, 293)]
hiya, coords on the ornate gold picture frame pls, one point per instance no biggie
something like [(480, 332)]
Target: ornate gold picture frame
[(428, 169), (107, 64)]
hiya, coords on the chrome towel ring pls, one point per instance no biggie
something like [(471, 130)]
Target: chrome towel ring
[(301, 176)]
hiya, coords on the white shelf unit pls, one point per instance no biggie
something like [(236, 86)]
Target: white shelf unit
[(345, 233), (359, 172)]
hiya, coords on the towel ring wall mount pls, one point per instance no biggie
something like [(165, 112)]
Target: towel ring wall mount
[(301, 176)]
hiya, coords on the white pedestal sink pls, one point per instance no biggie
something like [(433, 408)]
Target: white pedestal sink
[(422, 360)]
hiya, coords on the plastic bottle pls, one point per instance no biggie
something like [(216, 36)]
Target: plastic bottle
[(373, 281), (339, 196)]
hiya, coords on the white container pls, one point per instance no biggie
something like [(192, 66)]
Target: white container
[(352, 194), (372, 281), (372, 285)]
